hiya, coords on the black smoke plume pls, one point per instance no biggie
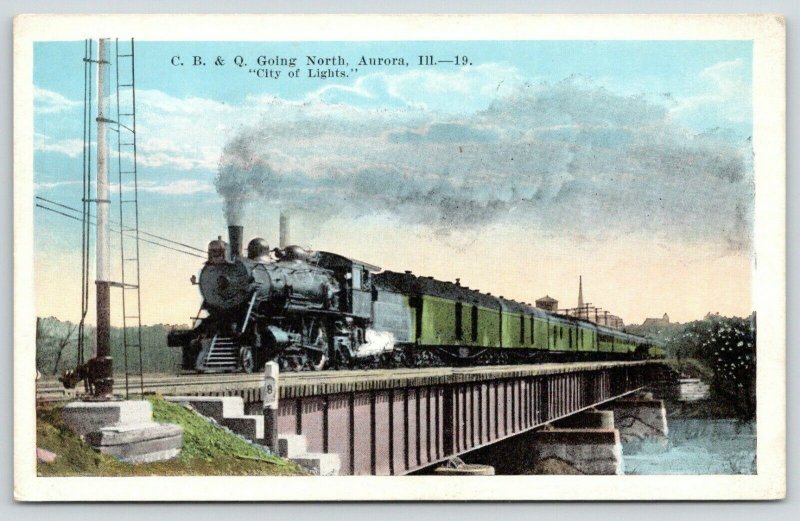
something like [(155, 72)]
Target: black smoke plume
[(561, 159)]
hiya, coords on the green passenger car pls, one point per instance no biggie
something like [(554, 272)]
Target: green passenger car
[(467, 322)]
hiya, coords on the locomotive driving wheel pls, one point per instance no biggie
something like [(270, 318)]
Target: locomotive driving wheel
[(246, 359), (315, 344)]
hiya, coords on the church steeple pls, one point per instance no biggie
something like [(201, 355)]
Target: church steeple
[(580, 292)]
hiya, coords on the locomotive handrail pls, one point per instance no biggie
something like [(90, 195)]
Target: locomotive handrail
[(197, 317), (249, 311)]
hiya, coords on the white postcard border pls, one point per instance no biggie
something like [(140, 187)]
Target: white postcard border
[(769, 292)]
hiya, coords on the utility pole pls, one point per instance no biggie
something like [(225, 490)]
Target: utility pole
[(103, 370), (132, 438)]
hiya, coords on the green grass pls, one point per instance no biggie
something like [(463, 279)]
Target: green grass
[(208, 450)]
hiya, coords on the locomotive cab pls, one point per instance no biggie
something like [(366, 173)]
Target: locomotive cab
[(355, 281)]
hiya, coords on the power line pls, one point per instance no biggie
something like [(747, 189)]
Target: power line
[(143, 240), (114, 222)]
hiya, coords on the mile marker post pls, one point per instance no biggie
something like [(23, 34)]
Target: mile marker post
[(270, 395)]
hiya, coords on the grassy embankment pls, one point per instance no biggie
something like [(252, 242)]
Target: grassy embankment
[(207, 450)]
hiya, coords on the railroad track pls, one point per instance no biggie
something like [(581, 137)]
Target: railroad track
[(304, 383), (50, 389)]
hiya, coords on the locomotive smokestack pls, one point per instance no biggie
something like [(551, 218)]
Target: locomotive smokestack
[(235, 234), (284, 230)]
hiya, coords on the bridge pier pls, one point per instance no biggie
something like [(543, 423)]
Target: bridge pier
[(577, 451), (584, 443), (641, 419)]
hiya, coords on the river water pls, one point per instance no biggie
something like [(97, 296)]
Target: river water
[(697, 446)]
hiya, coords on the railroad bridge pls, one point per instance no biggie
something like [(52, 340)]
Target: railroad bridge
[(394, 422)]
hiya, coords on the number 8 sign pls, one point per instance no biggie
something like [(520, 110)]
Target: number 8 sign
[(270, 390)]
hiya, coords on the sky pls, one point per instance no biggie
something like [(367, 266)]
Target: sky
[(518, 169)]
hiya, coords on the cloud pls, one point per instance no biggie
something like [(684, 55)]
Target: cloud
[(183, 133), (177, 187), (458, 90), (724, 96), (49, 185), (176, 133), (559, 158), (49, 102), (69, 147)]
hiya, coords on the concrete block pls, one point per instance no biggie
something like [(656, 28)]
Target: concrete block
[(146, 452), (578, 451), (151, 457), (217, 407), (86, 417), (251, 427), (691, 390), (639, 420), (228, 411), (319, 464), (140, 443), (291, 445), (133, 433)]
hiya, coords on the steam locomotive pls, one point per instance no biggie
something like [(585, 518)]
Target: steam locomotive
[(318, 310)]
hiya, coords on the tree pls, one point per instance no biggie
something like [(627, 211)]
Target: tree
[(727, 345), (63, 342)]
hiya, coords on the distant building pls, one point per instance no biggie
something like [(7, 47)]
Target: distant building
[(594, 314), (656, 322), (547, 303)]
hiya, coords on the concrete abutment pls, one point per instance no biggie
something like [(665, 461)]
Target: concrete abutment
[(124, 429)]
